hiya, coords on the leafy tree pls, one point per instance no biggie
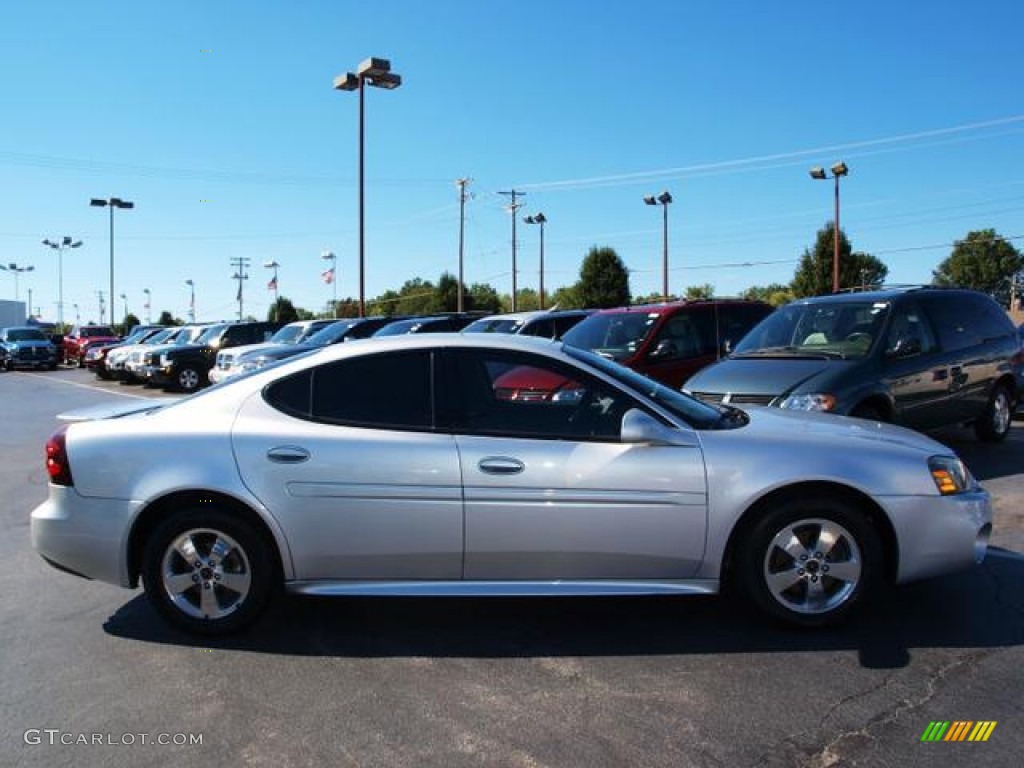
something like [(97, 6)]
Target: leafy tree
[(166, 318), (705, 291), (526, 301), (417, 297), (386, 304), (483, 296), (984, 261), (282, 311), (447, 291), (813, 275), (130, 321), (567, 297), (651, 298), (604, 279), (349, 307), (775, 294)]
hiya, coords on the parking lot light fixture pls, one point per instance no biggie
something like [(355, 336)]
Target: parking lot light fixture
[(540, 219), (111, 203), (377, 73), (838, 170), (664, 199), (59, 246), (147, 306), (16, 270)]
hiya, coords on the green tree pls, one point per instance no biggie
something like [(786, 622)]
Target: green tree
[(813, 275), (447, 291), (704, 291), (417, 297), (484, 297), (282, 311), (775, 294), (166, 318), (567, 297), (984, 261), (386, 304), (604, 279), (129, 322)]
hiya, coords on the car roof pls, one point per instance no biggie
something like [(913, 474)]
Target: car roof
[(674, 306), (886, 294)]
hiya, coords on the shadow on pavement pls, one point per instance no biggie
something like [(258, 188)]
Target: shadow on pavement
[(983, 608)]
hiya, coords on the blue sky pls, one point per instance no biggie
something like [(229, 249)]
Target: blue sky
[(218, 120)]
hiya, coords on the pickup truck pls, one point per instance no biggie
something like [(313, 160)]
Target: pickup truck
[(77, 343)]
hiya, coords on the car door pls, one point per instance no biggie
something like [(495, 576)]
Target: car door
[(551, 492), (346, 458)]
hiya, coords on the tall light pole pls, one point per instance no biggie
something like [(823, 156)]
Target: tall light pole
[(375, 72), (16, 270), (663, 199), (461, 184), (817, 172), (191, 300), (124, 298), (111, 203), (331, 276), (272, 285), (148, 306), (78, 316), (59, 246), (540, 219)]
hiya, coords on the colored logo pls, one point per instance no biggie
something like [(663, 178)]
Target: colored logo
[(959, 730)]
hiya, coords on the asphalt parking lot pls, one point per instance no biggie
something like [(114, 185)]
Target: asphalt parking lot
[(502, 682)]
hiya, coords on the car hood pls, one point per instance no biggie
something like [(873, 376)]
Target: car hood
[(253, 349), (778, 426), (764, 375)]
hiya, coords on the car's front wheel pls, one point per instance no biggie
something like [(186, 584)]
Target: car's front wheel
[(994, 423), (188, 379), (810, 561), (208, 572)]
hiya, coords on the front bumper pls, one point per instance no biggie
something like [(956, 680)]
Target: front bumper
[(939, 535), (85, 536)]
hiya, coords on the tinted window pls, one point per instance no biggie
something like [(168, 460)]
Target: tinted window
[(993, 322), (617, 335), (521, 395), (545, 327), (909, 327), (292, 395), (392, 390), (955, 322)]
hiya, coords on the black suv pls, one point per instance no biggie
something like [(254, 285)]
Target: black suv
[(187, 367), (920, 357)]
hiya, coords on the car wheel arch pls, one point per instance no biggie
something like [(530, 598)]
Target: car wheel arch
[(875, 515), (149, 518)]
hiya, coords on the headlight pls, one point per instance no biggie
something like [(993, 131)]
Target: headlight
[(816, 402), (950, 475), (252, 365)]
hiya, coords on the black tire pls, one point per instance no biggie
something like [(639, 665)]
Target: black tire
[(806, 590), (993, 425), (225, 588), (81, 361), (102, 373)]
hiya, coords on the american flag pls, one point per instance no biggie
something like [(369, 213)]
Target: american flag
[(272, 285), (328, 276)]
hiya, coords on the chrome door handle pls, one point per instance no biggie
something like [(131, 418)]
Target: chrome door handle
[(501, 465), (288, 454)]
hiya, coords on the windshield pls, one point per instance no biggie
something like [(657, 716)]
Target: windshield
[(96, 330), (695, 413), (25, 334), (331, 333), (495, 325), (835, 329), (161, 336), (617, 335), (210, 334), (288, 335), (402, 326)]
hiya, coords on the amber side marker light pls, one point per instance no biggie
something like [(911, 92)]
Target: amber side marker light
[(57, 466)]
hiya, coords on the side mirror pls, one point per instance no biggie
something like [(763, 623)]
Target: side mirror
[(905, 347), (639, 427), (665, 349)]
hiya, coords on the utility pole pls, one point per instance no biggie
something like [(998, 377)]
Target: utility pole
[(103, 307), (240, 263), (461, 184), (512, 208)]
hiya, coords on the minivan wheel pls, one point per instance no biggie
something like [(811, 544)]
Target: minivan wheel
[(994, 423), (810, 562), (207, 572)]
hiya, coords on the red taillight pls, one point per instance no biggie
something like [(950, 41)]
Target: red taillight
[(57, 465)]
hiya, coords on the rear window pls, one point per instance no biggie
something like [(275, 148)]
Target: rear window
[(617, 335)]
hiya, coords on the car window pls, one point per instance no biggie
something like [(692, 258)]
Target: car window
[(617, 335), (543, 327), (839, 329), (955, 322), (389, 391), (514, 394), (909, 328), (25, 334)]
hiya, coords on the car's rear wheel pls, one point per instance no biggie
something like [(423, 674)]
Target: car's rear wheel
[(207, 572), (994, 423), (188, 379), (810, 562)]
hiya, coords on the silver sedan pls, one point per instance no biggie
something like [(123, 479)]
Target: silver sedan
[(489, 465)]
